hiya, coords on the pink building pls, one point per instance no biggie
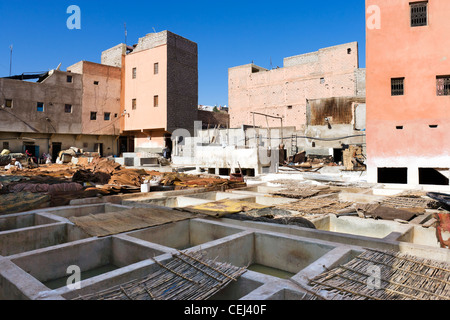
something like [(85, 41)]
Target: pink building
[(159, 89), (283, 92), (408, 91)]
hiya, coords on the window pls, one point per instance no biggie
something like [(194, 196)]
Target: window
[(134, 73), (393, 175), (68, 108), (133, 104), (93, 115), (8, 103), (322, 80), (40, 107), (69, 79), (349, 51), (5, 145), (107, 116), (443, 85), (85, 144), (96, 83), (419, 15), (155, 101), (156, 68), (434, 176), (289, 107), (116, 115), (397, 86)]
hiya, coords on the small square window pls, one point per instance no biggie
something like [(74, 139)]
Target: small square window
[(85, 144), (289, 107), (349, 51), (156, 68), (155, 101), (419, 14), (93, 115), (107, 116), (8, 103), (133, 104), (397, 86), (443, 85), (134, 73), (69, 79), (5, 145), (96, 83), (68, 108), (40, 107), (322, 80), (115, 115)]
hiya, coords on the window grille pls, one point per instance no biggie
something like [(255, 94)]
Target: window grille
[(398, 86), (419, 16), (443, 85)]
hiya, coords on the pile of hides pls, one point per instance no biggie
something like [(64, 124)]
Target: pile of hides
[(22, 201), (45, 188), (184, 181), (379, 211), (105, 224), (105, 171)]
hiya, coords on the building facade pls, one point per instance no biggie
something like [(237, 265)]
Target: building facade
[(160, 88), (132, 101), (408, 92), (284, 92)]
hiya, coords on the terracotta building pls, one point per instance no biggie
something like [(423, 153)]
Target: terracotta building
[(408, 91), (132, 101), (159, 89), (46, 113), (284, 92)]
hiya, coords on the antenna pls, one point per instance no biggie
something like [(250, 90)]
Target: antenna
[(271, 67), (10, 60), (126, 33), (154, 30)]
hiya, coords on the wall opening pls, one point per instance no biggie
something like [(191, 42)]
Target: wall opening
[(338, 155), (245, 171), (434, 176), (393, 175), (224, 171)]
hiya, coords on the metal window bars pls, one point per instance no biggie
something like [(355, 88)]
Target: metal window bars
[(419, 16), (397, 86), (443, 86)]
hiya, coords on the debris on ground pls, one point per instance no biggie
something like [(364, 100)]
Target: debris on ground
[(95, 177)]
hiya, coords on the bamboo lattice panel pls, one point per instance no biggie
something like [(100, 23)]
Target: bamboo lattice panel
[(402, 277), (184, 277)]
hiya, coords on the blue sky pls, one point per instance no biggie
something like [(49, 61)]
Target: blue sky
[(228, 33)]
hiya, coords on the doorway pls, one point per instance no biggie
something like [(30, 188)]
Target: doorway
[(56, 149), (126, 144), (32, 149), (98, 147)]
